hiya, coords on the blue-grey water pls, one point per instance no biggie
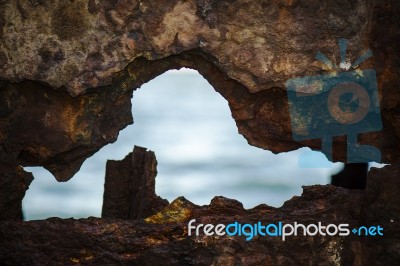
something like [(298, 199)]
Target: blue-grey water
[(199, 151)]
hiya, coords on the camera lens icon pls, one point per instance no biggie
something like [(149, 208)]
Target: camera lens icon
[(348, 103), (342, 103)]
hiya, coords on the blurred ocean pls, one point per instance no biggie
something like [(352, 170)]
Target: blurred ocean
[(199, 151)]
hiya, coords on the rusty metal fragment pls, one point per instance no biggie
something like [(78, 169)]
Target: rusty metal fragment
[(129, 189)]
